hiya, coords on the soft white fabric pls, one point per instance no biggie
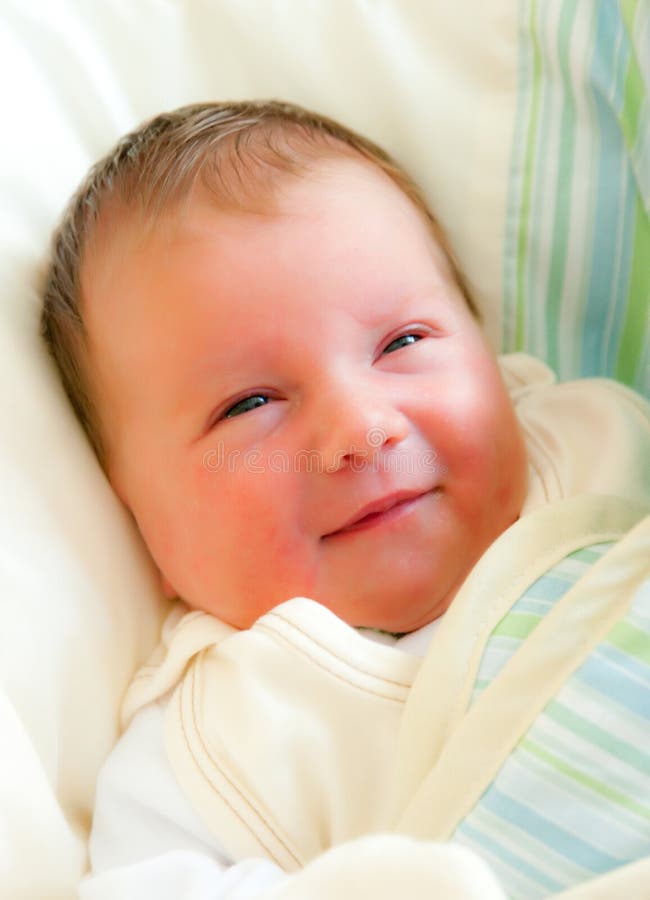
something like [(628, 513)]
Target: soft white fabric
[(146, 836), (147, 840)]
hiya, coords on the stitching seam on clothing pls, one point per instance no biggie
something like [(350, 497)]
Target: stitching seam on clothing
[(206, 775), (289, 622), (325, 668)]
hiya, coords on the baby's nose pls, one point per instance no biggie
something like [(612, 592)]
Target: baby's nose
[(355, 424)]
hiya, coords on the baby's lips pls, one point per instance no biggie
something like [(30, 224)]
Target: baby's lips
[(376, 508)]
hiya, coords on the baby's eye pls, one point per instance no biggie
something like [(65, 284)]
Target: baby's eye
[(402, 341), (246, 405)]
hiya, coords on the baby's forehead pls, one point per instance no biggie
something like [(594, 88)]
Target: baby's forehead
[(129, 240), (124, 224)]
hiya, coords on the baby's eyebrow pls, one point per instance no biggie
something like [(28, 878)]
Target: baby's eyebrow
[(217, 373), (209, 376), (400, 306)]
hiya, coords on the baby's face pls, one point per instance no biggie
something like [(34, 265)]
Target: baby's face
[(301, 404)]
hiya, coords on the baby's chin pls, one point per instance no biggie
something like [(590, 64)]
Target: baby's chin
[(399, 624), (397, 615)]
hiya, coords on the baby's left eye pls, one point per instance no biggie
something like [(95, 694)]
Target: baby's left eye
[(402, 341)]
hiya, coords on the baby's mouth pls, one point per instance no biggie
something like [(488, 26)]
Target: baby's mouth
[(380, 511)]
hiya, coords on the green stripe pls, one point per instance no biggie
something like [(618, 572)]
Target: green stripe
[(634, 89), (554, 294), (591, 554), (592, 784), (516, 625), (635, 327), (527, 189), (632, 641), (598, 736), (628, 10)]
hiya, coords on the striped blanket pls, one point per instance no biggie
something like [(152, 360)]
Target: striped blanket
[(573, 799), (577, 243)]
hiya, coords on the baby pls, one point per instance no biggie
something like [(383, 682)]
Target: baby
[(263, 330)]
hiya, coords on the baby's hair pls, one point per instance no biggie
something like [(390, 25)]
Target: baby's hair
[(234, 150)]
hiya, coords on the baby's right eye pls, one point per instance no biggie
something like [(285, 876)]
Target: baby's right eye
[(245, 405)]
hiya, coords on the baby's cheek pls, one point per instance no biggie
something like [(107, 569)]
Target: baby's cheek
[(289, 549)]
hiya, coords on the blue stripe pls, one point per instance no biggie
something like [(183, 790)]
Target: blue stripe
[(610, 264), (636, 667), (566, 156), (603, 259), (551, 587), (589, 555), (535, 606), (616, 685), (563, 842), (480, 839)]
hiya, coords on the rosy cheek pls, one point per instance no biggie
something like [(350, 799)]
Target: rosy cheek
[(254, 503)]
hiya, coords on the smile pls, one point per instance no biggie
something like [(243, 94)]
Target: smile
[(381, 512)]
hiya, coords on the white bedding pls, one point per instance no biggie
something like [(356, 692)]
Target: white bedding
[(439, 85)]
